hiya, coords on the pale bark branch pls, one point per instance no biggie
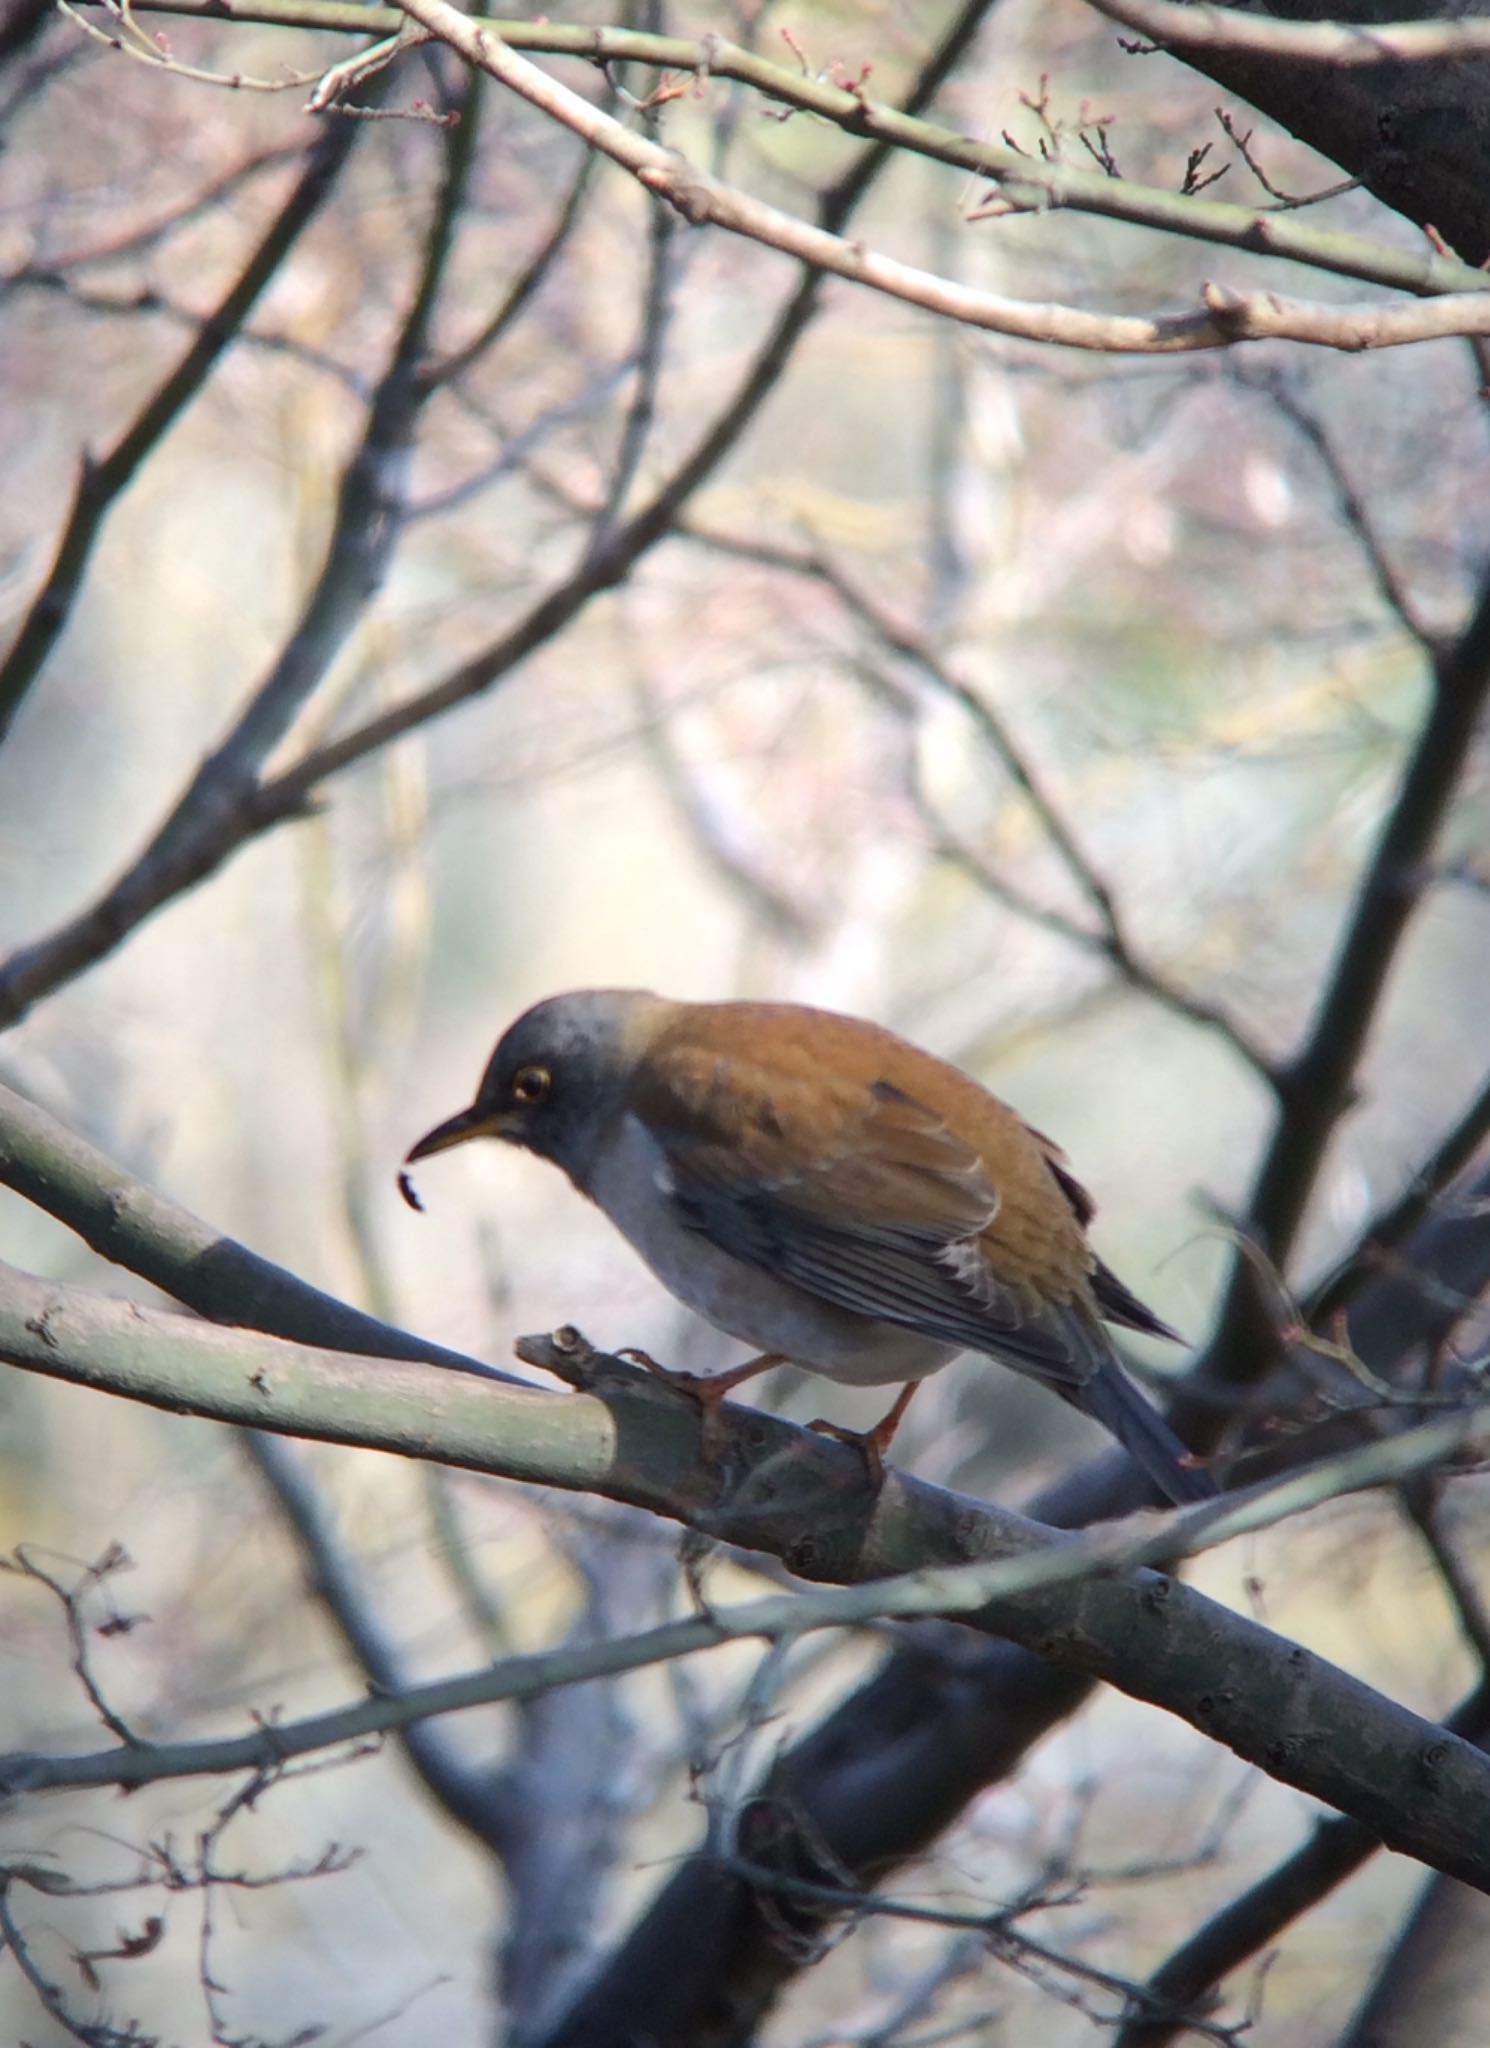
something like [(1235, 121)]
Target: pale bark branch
[(1338, 43), (1227, 317), (1077, 1602), (1027, 182)]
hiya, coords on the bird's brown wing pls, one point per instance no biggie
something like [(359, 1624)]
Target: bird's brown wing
[(858, 1194)]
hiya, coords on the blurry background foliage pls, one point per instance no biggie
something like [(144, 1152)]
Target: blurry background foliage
[(720, 778)]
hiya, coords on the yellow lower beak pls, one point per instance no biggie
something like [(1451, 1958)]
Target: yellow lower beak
[(456, 1130)]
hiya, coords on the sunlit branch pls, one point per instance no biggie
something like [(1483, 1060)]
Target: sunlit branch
[(1339, 43), (1026, 181), (1228, 317)]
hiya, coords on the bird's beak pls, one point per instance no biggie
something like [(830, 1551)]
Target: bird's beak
[(469, 1123)]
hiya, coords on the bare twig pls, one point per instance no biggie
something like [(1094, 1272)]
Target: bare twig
[(1429, 1514), (1285, 201), (147, 300), (1316, 1085), (136, 241), (103, 479), (999, 1932), (71, 1598), (1390, 1227), (1355, 513), (94, 2034), (640, 414), (131, 41), (1027, 182), (1108, 936), (524, 286), (1334, 1850)]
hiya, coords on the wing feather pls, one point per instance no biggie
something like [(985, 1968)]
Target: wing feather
[(859, 1195)]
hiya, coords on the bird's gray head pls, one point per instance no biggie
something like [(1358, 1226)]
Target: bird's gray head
[(558, 1077)]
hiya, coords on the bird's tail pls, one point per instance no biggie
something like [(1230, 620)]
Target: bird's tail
[(1111, 1398)]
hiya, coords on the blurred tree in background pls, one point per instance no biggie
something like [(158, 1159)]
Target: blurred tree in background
[(973, 516)]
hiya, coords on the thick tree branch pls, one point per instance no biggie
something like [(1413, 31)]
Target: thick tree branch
[(806, 1501), (1337, 43), (148, 1234), (888, 1769)]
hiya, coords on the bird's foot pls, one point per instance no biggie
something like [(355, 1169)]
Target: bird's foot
[(872, 1444), (867, 1442), (708, 1391)]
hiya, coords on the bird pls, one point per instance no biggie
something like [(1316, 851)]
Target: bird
[(828, 1193)]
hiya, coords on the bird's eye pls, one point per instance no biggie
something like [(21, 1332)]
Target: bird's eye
[(530, 1085)]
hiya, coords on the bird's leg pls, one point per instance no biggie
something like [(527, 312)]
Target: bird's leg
[(707, 1390), (872, 1442)]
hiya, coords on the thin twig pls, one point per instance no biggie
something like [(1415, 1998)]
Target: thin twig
[(136, 241), (205, 819), (1108, 937), (1392, 1226), (1334, 1850), (103, 479), (1430, 1516), (998, 1930), (636, 429), (150, 300), (524, 286), (1355, 513), (1026, 182), (93, 2034), (1317, 1083)]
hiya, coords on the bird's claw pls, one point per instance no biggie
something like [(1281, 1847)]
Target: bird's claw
[(867, 1442), (707, 1395)]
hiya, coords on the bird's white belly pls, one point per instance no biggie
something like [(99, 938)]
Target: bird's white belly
[(629, 1183)]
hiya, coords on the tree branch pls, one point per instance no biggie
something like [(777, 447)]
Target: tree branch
[(1028, 183), (806, 1501), (102, 479), (128, 1223), (1340, 44), (1316, 1086), (889, 1768), (240, 813), (1229, 317)]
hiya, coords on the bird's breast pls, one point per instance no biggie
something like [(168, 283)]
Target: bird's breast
[(629, 1182)]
